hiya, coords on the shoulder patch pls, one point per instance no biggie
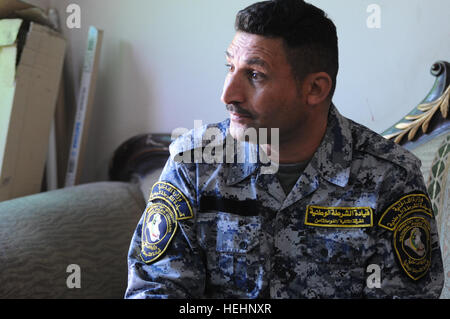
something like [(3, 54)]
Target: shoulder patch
[(412, 246), (173, 197), (168, 206), (406, 205), (159, 227)]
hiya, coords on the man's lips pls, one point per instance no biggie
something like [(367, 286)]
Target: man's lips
[(239, 114), (240, 118)]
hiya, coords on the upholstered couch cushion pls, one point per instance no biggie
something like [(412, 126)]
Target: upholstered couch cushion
[(89, 225)]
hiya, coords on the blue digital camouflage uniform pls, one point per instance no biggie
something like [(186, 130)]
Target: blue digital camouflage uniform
[(229, 231)]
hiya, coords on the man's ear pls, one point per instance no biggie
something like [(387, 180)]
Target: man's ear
[(317, 87)]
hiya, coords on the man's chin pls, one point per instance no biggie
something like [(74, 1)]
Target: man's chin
[(243, 132)]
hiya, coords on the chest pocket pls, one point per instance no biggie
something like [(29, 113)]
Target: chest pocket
[(232, 248), (336, 245), (338, 258)]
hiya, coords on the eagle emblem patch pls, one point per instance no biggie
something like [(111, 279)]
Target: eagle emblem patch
[(409, 219), (158, 230), (166, 206), (413, 247)]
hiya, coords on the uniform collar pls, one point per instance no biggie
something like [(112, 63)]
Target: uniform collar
[(331, 160), (239, 171)]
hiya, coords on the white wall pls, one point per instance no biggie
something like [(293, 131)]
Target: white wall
[(162, 63)]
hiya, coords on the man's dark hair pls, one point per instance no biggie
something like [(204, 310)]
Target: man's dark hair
[(309, 36)]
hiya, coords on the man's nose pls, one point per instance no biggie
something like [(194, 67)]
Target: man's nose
[(233, 90)]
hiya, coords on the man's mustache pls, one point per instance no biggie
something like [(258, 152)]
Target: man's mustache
[(235, 108)]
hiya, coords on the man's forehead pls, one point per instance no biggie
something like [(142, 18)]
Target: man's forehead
[(255, 46)]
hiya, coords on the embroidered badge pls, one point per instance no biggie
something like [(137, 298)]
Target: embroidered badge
[(158, 229), (339, 216), (413, 247), (168, 206), (174, 198), (406, 205)]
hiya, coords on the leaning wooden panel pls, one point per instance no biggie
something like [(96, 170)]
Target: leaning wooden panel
[(36, 87)]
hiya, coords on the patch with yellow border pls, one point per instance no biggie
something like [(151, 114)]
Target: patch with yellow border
[(339, 216), (158, 230), (406, 205), (413, 247), (173, 197), (167, 205)]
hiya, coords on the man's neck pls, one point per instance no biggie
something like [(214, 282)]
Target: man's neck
[(300, 147)]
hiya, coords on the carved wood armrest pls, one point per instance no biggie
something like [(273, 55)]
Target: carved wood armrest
[(430, 118)]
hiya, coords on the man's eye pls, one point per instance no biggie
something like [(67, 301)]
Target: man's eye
[(256, 76), (229, 67)]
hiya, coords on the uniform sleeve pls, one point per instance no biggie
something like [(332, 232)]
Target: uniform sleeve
[(177, 269), (405, 240)]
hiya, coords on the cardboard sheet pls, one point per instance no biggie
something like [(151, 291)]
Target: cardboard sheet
[(30, 105)]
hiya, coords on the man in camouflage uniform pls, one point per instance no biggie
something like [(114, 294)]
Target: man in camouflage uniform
[(345, 216)]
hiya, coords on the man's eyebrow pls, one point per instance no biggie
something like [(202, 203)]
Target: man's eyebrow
[(256, 61), (251, 61)]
